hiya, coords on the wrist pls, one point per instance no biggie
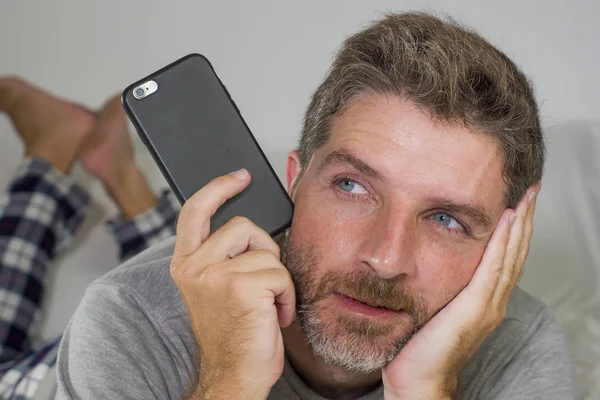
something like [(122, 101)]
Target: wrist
[(203, 392), (63, 163), (418, 395), (442, 390), (216, 386)]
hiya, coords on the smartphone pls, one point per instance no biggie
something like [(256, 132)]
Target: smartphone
[(194, 131)]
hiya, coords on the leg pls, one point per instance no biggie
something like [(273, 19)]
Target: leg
[(107, 154), (42, 208), (51, 129)]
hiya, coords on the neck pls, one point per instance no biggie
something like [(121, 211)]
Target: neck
[(325, 379)]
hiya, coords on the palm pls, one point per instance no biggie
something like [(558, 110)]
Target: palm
[(436, 341)]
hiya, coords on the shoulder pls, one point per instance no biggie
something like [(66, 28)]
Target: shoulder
[(528, 324), (532, 325), (527, 355), (133, 324), (537, 331), (146, 280), (524, 308)]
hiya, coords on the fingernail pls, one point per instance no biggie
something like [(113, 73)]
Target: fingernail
[(512, 218), (241, 174), (532, 195)]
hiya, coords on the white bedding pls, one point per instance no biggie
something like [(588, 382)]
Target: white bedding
[(563, 268)]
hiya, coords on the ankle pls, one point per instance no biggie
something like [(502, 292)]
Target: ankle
[(131, 192), (61, 162)]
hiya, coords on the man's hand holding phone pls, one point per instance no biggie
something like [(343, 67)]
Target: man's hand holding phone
[(237, 293)]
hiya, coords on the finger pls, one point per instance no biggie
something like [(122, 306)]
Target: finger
[(237, 236), (280, 287), (486, 275), (193, 225), (528, 230), (511, 267), (250, 261), (525, 244)]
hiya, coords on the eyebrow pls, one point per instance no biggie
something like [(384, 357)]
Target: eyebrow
[(475, 213), (342, 156)]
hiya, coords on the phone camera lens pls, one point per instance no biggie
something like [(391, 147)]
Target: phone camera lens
[(139, 92)]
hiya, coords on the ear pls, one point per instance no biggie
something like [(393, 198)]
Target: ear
[(292, 170)]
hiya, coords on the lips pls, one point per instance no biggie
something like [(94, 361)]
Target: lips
[(365, 309), (369, 303)]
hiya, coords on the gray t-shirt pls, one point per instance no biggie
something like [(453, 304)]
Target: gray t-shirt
[(130, 338)]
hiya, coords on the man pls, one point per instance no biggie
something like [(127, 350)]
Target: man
[(414, 187), (43, 208)]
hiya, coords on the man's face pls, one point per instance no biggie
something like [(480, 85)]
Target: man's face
[(391, 219)]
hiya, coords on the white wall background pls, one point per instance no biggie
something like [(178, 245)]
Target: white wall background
[(271, 55)]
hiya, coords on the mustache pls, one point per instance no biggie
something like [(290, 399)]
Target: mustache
[(366, 287), (371, 290)]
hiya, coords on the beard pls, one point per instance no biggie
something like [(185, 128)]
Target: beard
[(352, 342)]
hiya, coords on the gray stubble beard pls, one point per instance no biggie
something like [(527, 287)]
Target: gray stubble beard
[(338, 343)]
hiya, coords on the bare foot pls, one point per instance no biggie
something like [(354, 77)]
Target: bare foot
[(108, 154), (108, 150), (51, 128)]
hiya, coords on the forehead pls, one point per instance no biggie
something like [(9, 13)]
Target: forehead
[(413, 151)]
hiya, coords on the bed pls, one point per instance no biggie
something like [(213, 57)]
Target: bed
[(563, 268)]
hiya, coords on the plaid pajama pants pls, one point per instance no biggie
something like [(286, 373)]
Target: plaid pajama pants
[(39, 215)]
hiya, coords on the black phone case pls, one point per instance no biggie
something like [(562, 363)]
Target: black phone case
[(195, 132)]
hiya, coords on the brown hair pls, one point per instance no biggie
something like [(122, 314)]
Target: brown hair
[(447, 70)]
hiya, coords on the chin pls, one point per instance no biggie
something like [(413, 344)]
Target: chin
[(354, 343)]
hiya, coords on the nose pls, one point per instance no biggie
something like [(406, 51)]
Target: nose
[(390, 249)]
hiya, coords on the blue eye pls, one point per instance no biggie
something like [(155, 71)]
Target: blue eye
[(350, 186), (447, 221)]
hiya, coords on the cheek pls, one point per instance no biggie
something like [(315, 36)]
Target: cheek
[(335, 230), (444, 268)]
